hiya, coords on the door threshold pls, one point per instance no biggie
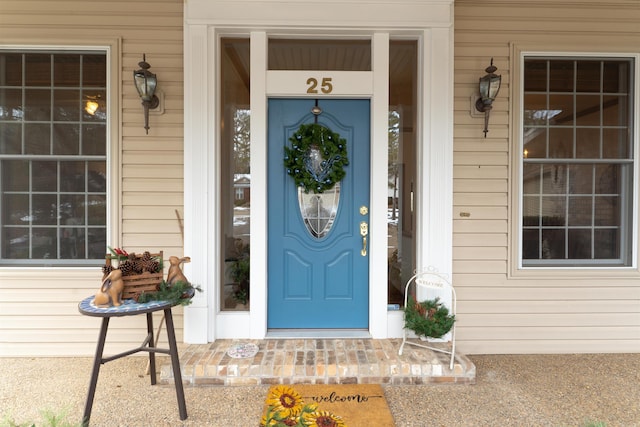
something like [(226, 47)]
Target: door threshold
[(317, 333)]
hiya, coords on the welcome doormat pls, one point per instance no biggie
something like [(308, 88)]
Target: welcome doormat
[(330, 405)]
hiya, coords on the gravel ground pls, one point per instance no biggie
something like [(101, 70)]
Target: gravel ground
[(510, 390)]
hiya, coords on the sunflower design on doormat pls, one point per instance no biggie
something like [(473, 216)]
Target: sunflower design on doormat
[(285, 407)]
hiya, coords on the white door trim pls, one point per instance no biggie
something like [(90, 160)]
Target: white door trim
[(432, 23)]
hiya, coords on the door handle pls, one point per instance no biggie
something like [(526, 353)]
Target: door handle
[(364, 231)]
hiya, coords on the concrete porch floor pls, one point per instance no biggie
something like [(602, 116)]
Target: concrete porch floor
[(319, 361)]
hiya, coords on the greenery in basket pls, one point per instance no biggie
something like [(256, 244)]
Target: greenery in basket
[(180, 293), (429, 318)]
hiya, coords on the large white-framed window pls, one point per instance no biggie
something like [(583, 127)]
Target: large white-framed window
[(578, 163), (53, 156)]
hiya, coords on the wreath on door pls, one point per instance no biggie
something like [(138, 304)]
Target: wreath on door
[(317, 158)]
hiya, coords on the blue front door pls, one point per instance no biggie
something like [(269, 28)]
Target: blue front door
[(318, 265)]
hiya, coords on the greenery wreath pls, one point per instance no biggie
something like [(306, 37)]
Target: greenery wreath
[(428, 318), (308, 171)]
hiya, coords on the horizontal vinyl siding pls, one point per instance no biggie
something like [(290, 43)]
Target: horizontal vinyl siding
[(545, 311), (39, 307)]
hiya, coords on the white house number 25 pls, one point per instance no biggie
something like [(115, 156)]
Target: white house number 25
[(325, 85)]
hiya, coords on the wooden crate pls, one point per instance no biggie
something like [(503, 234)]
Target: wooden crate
[(135, 284)]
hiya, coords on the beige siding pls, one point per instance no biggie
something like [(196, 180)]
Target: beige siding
[(38, 307), (501, 311)]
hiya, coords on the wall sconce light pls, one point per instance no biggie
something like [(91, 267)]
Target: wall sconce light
[(489, 88), (146, 83)]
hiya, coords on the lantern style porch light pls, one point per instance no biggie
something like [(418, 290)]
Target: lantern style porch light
[(489, 88), (146, 83)]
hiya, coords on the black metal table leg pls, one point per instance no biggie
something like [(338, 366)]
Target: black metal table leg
[(151, 344), (175, 364), (131, 308), (97, 361)]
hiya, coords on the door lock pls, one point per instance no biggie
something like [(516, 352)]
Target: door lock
[(364, 231)]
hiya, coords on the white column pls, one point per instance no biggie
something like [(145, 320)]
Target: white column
[(198, 205)]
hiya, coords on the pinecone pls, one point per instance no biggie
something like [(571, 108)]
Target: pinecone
[(126, 267), (152, 266), (132, 256), (106, 269), (146, 256), (138, 266)]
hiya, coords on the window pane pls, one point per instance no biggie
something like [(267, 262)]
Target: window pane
[(96, 112), (45, 176), (94, 138), (588, 143), (531, 180), (97, 177), (607, 211), (530, 244), (535, 143), (44, 243), (580, 211), (553, 244), (588, 76), (553, 211), (615, 111), (10, 138), (560, 143), (581, 179), (59, 195), (608, 179), (10, 69), (15, 209), (37, 139), (66, 140), (15, 243), (585, 204), (607, 244), (344, 55), (72, 177), (561, 110), (37, 69), (236, 174), (554, 179), (401, 169), (37, 105), (45, 209), (616, 144), (535, 73), (97, 210), (15, 175), (561, 76), (66, 70), (588, 110), (616, 76), (531, 211), (10, 104), (535, 109), (66, 105), (94, 70), (579, 246)]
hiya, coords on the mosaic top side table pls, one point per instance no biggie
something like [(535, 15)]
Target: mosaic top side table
[(132, 308)]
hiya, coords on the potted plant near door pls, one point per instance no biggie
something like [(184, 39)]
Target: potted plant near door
[(429, 318)]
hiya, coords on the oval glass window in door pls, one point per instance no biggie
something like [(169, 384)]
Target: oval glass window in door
[(319, 210)]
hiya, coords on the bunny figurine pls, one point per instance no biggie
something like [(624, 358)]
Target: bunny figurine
[(110, 291), (175, 273)]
